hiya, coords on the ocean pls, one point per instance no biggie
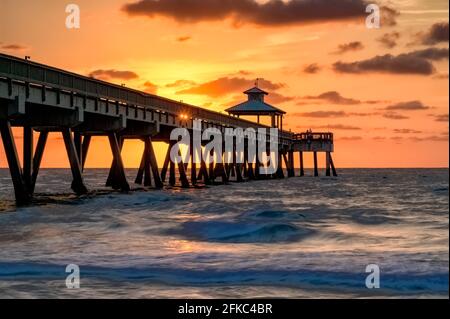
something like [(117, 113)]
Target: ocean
[(293, 238)]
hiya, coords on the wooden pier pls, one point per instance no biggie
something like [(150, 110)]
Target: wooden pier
[(41, 99)]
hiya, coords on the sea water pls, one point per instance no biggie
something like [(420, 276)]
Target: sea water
[(293, 238)]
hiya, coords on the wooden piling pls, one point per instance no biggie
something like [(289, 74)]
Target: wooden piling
[(21, 192), (316, 170), (152, 161), (327, 164), (37, 159), (332, 166), (85, 150), (302, 168), (77, 184), (119, 179)]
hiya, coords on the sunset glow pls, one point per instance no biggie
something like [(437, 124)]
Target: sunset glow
[(322, 71)]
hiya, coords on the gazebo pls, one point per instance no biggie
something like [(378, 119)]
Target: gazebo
[(255, 106)]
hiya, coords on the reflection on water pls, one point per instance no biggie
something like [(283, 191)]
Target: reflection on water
[(301, 237)]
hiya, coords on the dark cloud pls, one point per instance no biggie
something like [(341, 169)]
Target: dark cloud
[(389, 40), (277, 98), (321, 114), (184, 38), (415, 62), (347, 47), (151, 88), (227, 85), (406, 131), (395, 116), (334, 97), (441, 118), (408, 106), (438, 33), (271, 13), (379, 138), (312, 68), (113, 74), (13, 47)]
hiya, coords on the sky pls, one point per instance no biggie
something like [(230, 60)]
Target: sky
[(383, 92)]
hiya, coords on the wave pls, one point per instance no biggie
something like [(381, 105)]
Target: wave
[(391, 283), (233, 232)]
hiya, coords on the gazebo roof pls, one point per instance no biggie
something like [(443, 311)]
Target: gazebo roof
[(254, 107), (255, 104)]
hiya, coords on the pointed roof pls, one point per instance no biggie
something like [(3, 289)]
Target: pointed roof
[(256, 90)]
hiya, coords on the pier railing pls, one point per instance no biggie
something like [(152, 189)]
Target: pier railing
[(313, 136)]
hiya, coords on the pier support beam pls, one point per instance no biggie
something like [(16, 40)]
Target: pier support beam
[(27, 155), (152, 162), (291, 170), (194, 157), (118, 179), (37, 159), (77, 184), (84, 150), (280, 172), (316, 170), (332, 166), (22, 194), (149, 166), (302, 167), (327, 164)]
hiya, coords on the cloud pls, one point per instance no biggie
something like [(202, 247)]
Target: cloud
[(339, 127), (441, 118), (277, 98), (334, 97), (321, 114), (406, 131), (151, 88), (442, 76), (113, 74), (245, 72), (395, 116), (184, 38), (347, 47), (389, 40), (13, 47), (350, 138), (270, 13), (415, 62), (227, 85), (180, 83), (432, 138), (408, 106), (438, 33), (312, 68)]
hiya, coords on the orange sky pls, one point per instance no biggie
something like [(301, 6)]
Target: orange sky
[(382, 115)]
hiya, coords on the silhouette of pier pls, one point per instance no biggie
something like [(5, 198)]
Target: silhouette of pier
[(42, 99)]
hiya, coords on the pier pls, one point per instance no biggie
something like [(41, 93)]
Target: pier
[(40, 99)]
